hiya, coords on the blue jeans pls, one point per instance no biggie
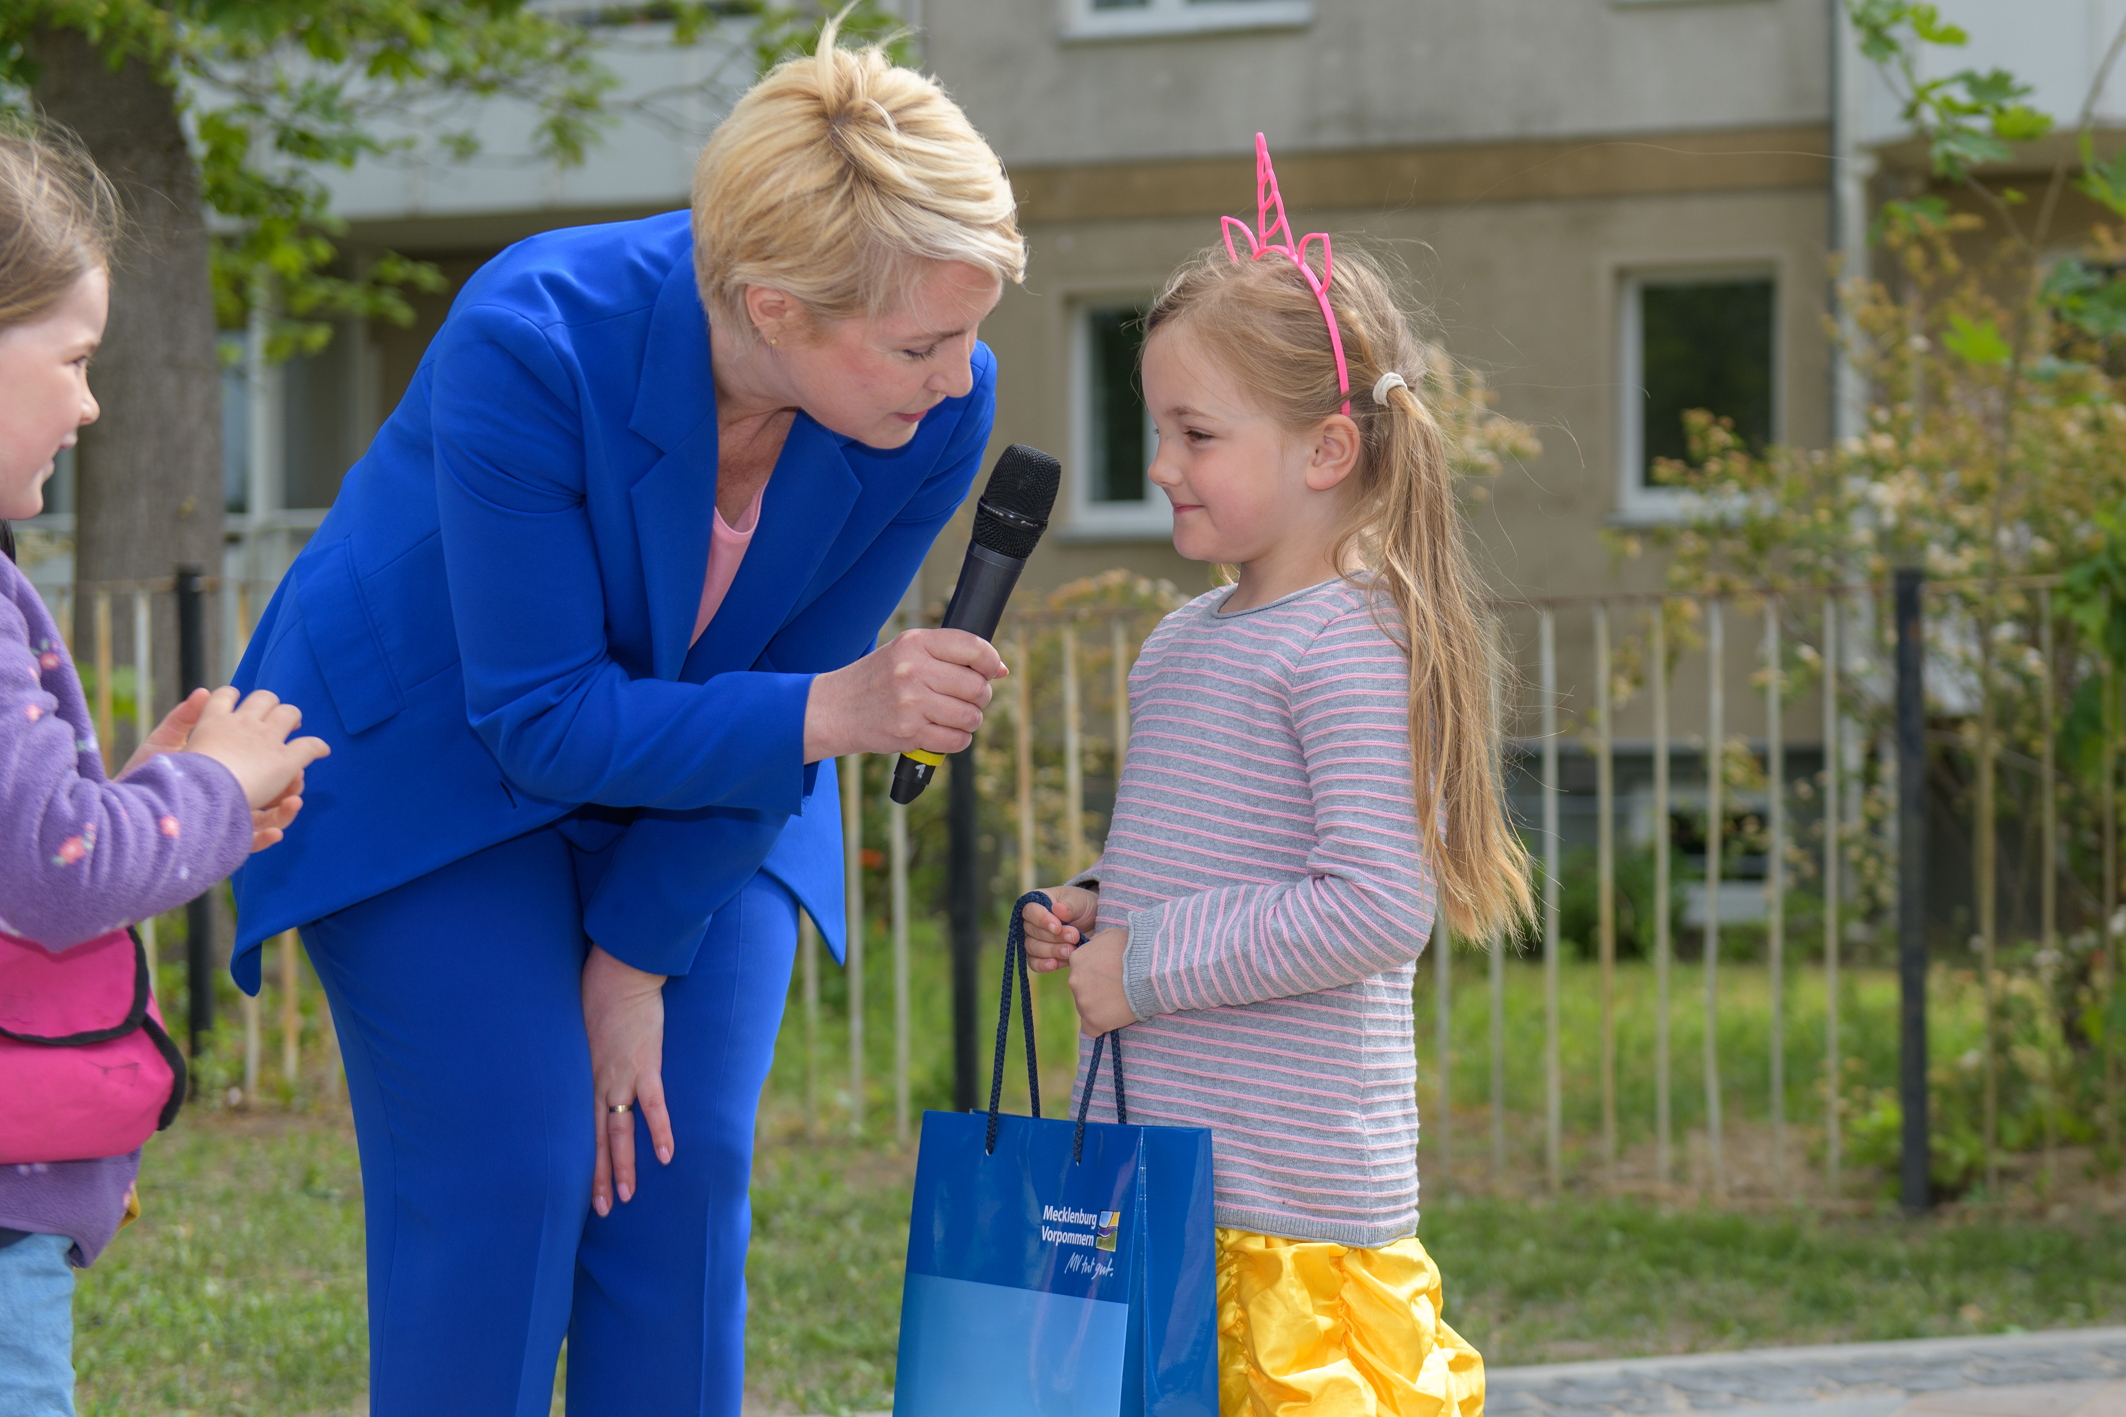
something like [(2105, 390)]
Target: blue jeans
[(458, 999), (36, 1328)]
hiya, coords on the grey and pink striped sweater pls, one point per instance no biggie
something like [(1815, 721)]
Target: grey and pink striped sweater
[(1264, 857)]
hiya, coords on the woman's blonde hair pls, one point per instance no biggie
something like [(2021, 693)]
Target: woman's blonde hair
[(833, 177), (1261, 321), (59, 218)]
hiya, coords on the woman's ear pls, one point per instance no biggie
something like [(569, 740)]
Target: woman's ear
[(1335, 458), (770, 310)]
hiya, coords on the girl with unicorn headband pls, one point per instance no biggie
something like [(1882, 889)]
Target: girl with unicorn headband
[(1312, 781)]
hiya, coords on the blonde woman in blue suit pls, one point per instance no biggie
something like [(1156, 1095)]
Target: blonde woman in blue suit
[(580, 789)]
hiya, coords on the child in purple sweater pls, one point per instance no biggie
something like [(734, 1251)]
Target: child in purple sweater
[(80, 854)]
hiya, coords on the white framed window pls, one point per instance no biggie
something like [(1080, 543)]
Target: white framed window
[(1111, 497), (1691, 337), (1123, 19)]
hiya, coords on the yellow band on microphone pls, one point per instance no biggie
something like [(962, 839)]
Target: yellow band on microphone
[(935, 760)]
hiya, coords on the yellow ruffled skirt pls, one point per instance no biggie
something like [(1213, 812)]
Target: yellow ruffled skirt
[(1307, 1327)]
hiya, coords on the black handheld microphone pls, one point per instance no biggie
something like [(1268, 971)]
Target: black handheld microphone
[(1008, 523)]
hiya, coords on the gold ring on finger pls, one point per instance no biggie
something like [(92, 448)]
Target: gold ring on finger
[(620, 1109)]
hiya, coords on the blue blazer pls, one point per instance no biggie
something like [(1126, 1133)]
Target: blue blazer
[(491, 626)]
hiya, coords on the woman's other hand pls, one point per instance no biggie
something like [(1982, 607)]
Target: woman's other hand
[(925, 690), (249, 737), (1053, 933), (623, 1012), (1096, 984)]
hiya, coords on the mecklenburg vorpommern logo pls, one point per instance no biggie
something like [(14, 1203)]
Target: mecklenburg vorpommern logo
[(1096, 1229)]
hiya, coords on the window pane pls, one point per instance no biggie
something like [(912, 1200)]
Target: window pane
[(1705, 344), (1114, 336)]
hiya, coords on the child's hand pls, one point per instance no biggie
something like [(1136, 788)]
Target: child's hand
[(171, 734), (1096, 983), (250, 739), (1052, 935)]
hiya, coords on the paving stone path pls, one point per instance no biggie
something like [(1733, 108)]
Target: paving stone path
[(2074, 1373), (2077, 1373)]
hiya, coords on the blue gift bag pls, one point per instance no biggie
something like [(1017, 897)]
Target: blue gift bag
[(1058, 1269)]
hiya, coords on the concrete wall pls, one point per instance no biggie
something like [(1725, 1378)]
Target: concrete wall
[(1371, 73)]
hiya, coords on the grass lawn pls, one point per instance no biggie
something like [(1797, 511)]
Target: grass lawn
[(240, 1292)]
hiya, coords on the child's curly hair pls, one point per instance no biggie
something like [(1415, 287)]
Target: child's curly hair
[(59, 217)]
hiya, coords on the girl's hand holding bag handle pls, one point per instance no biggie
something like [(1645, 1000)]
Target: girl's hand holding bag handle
[(86, 1068), (1058, 1270)]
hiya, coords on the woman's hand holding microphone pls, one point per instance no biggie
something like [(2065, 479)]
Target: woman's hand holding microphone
[(924, 690)]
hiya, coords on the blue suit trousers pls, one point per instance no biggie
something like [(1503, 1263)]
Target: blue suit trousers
[(458, 1003)]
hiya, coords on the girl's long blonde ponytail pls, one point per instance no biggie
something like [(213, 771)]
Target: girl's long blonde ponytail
[(1261, 318)]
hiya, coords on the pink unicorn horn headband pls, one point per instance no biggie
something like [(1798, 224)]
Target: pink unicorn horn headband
[(1260, 244)]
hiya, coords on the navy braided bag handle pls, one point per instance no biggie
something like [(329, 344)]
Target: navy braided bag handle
[(1014, 961), (1092, 1080), (1015, 964)]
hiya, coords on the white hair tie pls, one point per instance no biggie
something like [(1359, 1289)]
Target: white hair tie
[(1387, 381)]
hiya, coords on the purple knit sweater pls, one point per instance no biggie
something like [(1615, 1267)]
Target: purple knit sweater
[(81, 856)]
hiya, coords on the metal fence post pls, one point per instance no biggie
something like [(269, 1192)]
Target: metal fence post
[(1553, 1080), (1911, 890), (1073, 756), (291, 1006), (144, 723), (1775, 880), (2048, 881), (1442, 945), (1664, 947), (199, 913), (249, 1004), (1496, 965), (963, 887), (106, 722), (1832, 850), (1715, 845), (808, 973), (1022, 761), (853, 960), (897, 839), (1987, 890), (1606, 888), (2109, 974)]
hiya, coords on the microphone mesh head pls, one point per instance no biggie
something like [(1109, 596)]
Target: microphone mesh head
[(1022, 486)]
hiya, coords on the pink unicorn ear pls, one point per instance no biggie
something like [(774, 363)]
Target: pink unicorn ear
[(1328, 262), (1230, 224)]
